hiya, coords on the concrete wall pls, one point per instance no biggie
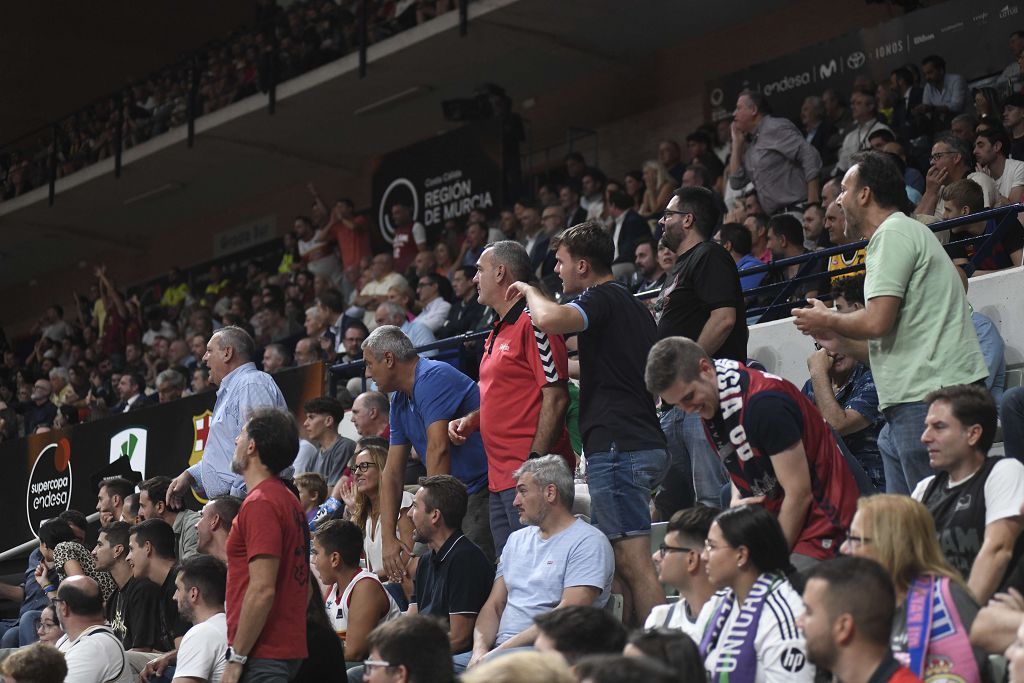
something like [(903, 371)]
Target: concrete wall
[(784, 351)]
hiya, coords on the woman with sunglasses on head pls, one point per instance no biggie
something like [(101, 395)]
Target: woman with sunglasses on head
[(752, 635), (932, 599)]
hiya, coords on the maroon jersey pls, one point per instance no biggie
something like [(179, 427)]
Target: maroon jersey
[(761, 415)]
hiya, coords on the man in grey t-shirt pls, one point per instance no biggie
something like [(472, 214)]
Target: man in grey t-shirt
[(333, 451), (557, 560)]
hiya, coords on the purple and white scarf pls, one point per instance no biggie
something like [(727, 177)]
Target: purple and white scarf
[(736, 660)]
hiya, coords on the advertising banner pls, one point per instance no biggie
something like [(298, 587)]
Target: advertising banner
[(972, 37), (441, 178), (56, 471)]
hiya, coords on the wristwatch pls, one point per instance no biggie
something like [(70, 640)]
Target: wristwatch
[(235, 658)]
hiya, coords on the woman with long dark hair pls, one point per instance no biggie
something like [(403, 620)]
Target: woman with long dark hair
[(753, 635)]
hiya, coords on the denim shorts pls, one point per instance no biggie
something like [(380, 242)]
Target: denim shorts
[(621, 483)]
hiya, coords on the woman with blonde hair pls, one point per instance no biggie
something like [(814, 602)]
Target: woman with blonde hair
[(361, 495), (659, 189), (931, 630)]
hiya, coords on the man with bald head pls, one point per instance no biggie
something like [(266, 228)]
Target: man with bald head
[(91, 649), (370, 413), (835, 225), (241, 387)]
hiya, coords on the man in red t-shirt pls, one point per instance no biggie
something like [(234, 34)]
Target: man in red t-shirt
[(268, 551), (846, 633), (351, 232), (523, 390), (776, 446)]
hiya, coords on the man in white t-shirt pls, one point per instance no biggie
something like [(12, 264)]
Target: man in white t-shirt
[(680, 566), (200, 587), (91, 649), (975, 499), (991, 148)]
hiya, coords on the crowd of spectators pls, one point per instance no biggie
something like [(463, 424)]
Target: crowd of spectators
[(520, 549), (279, 44)]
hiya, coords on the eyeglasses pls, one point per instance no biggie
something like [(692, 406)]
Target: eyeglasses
[(858, 541), (363, 466), (45, 625), (939, 155), (370, 664), (668, 212), (666, 549), (708, 547)]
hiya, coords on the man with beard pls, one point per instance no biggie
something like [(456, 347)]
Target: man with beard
[(200, 586), (701, 300), (915, 330), (845, 633), (451, 585)]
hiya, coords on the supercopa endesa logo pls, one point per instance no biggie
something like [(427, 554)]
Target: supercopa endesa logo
[(400, 191), (49, 485)]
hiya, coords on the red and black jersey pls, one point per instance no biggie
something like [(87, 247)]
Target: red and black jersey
[(761, 415), (519, 361)]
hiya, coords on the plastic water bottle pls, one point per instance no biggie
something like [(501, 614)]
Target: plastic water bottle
[(326, 509)]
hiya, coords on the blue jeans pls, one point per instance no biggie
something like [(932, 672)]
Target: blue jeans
[(504, 518), (904, 457), (691, 452), (620, 485), (1013, 423), (993, 349)]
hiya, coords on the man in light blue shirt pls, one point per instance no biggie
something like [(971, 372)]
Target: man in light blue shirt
[(944, 94), (555, 561), (390, 313), (241, 388)]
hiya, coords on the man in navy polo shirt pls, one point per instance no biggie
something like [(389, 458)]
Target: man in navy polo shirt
[(427, 395), (453, 582)]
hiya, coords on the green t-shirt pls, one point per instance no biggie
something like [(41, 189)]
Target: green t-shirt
[(932, 344)]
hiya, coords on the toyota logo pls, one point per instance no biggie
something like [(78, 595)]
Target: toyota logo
[(401, 190), (856, 60)]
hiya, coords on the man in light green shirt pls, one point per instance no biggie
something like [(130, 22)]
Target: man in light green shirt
[(915, 331)]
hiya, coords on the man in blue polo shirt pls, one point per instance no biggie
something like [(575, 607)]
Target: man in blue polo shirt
[(453, 582), (427, 395)]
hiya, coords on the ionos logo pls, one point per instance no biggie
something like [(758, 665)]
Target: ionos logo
[(131, 444), (400, 191), (49, 485)]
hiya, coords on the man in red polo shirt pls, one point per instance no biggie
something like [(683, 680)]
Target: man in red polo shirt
[(268, 557), (523, 390)]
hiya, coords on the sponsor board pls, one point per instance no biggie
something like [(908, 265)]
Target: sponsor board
[(49, 485)]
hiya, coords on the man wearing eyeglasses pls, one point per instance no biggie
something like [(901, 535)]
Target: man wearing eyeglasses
[(702, 301), (413, 649), (433, 308), (951, 160), (680, 566)]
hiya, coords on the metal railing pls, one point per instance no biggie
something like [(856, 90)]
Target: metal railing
[(782, 303)]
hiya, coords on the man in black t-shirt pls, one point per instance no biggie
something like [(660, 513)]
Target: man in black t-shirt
[(151, 553), (133, 608), (454, 581), (702, 300), (625, 447)]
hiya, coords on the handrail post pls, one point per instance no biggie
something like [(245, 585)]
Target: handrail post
[(463, 18), (119, 134), (193, 101), (53, 166), (362, 36)]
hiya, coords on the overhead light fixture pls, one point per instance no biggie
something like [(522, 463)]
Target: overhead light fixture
[(155, 192), (391, 100)]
